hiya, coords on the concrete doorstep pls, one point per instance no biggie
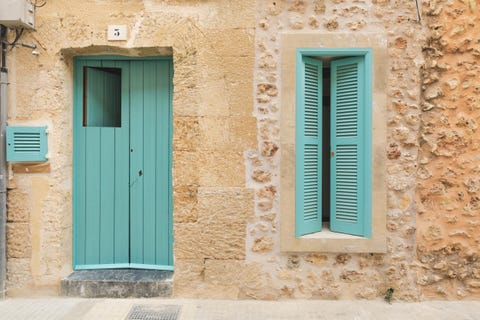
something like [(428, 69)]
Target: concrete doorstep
[(118, 283), (185, 309)]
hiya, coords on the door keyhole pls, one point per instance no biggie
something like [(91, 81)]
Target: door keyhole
[(140, 173)]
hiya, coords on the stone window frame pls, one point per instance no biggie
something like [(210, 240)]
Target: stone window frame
[(326, 241)]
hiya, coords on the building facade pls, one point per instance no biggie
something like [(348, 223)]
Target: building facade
[(208, 136)]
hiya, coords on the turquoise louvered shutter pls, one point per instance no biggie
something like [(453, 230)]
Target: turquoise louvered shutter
[(350, 167), (308, 147), (26, 144)]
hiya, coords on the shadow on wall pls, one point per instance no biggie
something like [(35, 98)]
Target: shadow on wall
[(111, 50)]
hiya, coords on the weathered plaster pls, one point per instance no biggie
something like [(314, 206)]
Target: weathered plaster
[(448, 183)]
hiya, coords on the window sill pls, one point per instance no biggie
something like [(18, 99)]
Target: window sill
[(326, 233), (328, 241)]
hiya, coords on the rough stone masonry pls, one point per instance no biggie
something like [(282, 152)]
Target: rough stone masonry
[(226, 145)]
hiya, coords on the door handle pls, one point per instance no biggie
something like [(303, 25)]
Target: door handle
[(140, 173)]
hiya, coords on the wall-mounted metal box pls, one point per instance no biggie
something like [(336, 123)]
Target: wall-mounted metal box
[(17, 13), (26, 144)]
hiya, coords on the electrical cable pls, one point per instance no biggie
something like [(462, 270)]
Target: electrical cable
[(18, 34), (418, 12), (3, 45)]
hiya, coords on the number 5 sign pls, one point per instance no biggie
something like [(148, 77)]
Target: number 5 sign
[(117, 33)]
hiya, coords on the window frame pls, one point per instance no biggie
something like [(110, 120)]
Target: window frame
[(304, 56), (373, 48), (100, 107)]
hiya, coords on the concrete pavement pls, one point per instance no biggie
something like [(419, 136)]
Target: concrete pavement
[(108, 309)]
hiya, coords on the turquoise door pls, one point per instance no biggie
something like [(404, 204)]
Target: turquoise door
[(122, 201)]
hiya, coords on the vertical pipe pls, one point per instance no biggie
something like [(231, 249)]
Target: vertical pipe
[(3, 162)]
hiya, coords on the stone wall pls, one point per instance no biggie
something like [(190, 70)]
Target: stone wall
[(448, 175), (226, 144), (212, 47), (341, 275)]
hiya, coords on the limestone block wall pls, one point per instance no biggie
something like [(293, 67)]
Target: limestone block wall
[(448, 174), (212, 47)]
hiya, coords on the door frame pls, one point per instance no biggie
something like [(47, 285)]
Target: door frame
[(78, 123)]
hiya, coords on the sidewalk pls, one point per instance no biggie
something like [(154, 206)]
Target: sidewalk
[(106, 309)]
